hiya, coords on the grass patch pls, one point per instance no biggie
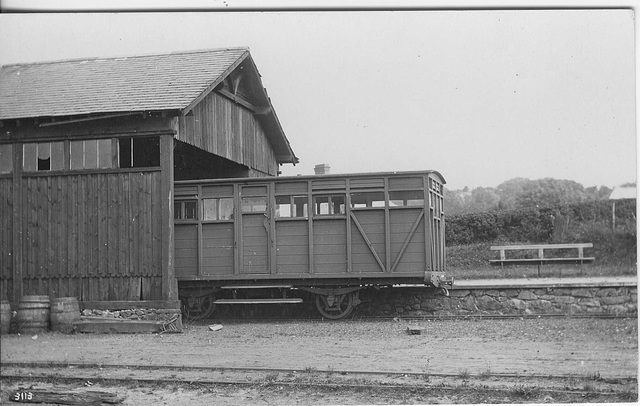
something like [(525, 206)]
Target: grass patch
[(271, 377), (629, 395), (472, 262), (525, 391), (486, 374)]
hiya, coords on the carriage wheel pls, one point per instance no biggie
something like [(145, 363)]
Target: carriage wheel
[(335, 307), (199, 307)]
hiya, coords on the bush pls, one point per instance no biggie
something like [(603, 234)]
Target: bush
[(529, 224), (536, 225)]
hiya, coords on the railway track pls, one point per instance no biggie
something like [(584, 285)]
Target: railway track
[(259, 384), (430, 318), (341, 372), (88, 374)]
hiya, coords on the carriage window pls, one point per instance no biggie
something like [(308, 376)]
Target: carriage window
[(217, 209), (254, 204), (185, 210), (328, 205), (406, 198), (367, 199), (43, 156), (291, 206)]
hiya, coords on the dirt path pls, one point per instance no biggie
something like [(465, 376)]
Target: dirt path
[(604, 348), (551, 346)]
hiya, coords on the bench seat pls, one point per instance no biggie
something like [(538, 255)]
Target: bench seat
[(529, 261), (541, 259)]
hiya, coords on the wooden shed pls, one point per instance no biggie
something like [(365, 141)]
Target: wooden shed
[(89, 151)]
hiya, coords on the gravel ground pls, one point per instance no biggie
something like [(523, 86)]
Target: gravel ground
[(493, 353)]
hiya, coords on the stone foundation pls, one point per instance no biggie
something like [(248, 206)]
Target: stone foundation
[(549, 300), (133, 314), (172, 317)]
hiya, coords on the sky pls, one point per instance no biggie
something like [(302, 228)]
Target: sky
[(481, 96)]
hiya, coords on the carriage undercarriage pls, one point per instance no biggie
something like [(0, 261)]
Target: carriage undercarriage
[(331, 302)]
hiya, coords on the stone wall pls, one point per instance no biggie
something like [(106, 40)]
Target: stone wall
[(548, 300), (133, 314), (172, 317)]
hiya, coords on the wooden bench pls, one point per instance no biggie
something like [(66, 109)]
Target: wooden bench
[(541, 259)]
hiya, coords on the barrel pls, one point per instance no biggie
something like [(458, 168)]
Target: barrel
[(64, 312), (33, 314), (5, 316)]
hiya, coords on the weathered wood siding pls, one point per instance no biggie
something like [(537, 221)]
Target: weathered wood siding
[(6, 237), (292, 247), (373, 225), (402, 222), (94, 236), (217, 248), (330, 246), (186, 249), (382, 227), (222, 127), (255, 245)]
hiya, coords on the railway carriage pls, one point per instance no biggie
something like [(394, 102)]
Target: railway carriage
[(325, 237)]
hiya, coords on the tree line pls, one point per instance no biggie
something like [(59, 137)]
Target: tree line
[(522, 193)]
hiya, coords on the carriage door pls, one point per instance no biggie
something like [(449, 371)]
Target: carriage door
[(436, 203), (254, 230)]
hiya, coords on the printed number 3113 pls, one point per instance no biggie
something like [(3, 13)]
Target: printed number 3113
[(23, 396)]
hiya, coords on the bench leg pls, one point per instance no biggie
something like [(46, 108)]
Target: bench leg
[(538, 270)]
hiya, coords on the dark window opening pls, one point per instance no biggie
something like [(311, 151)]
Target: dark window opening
[(185, 210), (139, 152), (44, 164), (126, 149)]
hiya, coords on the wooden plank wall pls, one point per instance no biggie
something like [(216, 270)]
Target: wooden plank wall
[(255, 244), (186, 249), (292, 240), (372, 223), (222, 127), (330, 246), (217, 249), (6, 238), (401, 222), (94, 236)]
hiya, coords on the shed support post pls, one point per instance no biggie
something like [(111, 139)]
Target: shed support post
[(17, 222), (169, 281)]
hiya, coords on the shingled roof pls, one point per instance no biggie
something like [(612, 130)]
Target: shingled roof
[(106, 85), (167, 82)]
